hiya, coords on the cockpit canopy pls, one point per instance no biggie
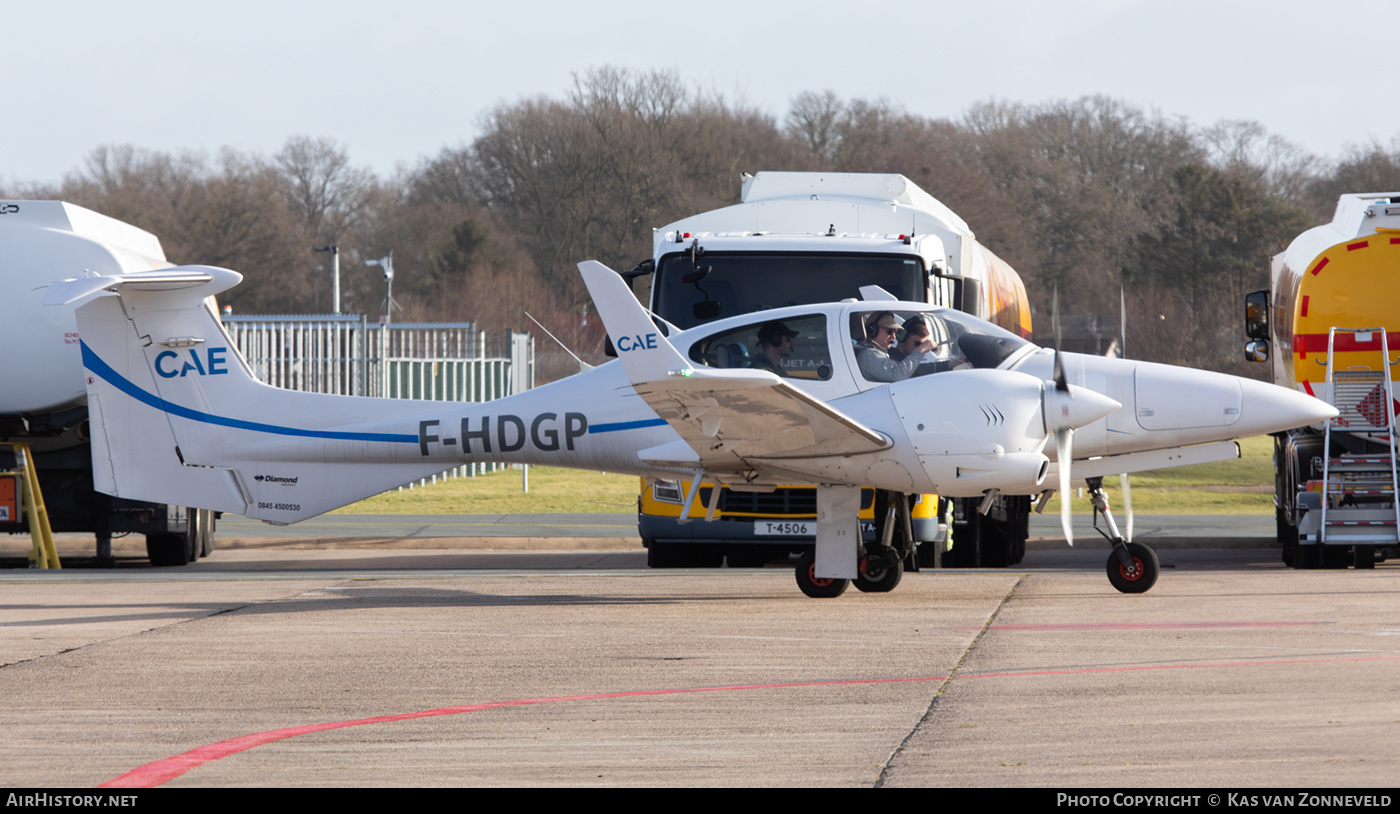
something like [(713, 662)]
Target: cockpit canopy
[(818, 344)]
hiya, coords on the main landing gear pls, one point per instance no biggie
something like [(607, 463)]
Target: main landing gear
[(879, 572), (881, 563), (1132, 567)]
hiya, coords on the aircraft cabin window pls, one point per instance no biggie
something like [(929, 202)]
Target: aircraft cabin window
[(794, 348), (892, 346)]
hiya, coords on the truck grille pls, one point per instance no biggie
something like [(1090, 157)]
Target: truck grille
[(777, 503)]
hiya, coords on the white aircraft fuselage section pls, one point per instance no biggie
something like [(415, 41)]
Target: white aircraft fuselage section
[(179, 418)]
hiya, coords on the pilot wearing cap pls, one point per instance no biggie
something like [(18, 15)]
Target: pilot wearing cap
[(873, 354), (775, 340)]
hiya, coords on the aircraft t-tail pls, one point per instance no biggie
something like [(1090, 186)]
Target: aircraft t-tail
[(178, 417)]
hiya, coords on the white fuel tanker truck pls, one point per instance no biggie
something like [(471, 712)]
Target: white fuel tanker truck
[(43, 400), (1328, 327)]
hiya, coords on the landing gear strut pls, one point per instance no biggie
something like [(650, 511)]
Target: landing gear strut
[(883, 563), (1132, 567)]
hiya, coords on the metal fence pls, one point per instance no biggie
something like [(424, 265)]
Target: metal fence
[(350, 356)]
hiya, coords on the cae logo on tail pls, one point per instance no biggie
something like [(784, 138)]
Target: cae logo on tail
[(626, 343), (215, 362)]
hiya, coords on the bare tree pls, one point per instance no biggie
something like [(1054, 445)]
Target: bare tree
[(320, 186), (814, 119), (1363, 168), (1247, 149)]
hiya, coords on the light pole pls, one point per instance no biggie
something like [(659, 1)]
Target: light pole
[(335, 275)]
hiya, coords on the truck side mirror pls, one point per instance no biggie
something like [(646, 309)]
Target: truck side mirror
[(1256, 315), (1256, 351)]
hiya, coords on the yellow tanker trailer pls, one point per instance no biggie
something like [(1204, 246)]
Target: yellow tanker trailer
[(1328, 327)]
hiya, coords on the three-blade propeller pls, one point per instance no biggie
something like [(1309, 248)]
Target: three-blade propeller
[(1061, 408), (1056, 406)]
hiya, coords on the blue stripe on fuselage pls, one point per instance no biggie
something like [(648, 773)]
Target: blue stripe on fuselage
[(627, 425), (94, 363)]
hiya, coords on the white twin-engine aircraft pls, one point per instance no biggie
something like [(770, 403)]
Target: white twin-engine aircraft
[(177, 416)]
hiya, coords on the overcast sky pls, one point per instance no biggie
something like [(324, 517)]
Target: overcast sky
[(395, 82)]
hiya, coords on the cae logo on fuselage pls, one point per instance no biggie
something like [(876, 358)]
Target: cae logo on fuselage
[(168, 363), (644, 342)]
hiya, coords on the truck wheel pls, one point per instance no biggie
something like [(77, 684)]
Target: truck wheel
[(1020, 525), (660, 555), (751, 557), (814, 586), (206, 536), (167, 549), (998, 547), (967, 544), (1287, 537), (194, 535), (1335, 556), (684, 555)]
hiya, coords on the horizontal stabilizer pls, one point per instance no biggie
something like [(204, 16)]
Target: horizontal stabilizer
[(209, 280)]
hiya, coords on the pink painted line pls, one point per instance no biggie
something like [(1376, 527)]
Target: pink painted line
[(1143, 625), (162, 771)]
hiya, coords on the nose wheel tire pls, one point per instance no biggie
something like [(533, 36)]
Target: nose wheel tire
[(1137, 576), (814, 586)]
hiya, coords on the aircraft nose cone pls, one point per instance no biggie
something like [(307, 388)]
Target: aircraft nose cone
[(1267, 408), (1075, 409)]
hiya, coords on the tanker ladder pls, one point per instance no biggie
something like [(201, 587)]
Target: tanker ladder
[(30, 500), (1358, 489)]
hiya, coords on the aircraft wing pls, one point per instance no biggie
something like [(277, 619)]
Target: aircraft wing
[(732, 422), (728, 420)]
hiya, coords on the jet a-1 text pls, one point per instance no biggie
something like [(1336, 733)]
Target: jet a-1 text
[(178, 417)]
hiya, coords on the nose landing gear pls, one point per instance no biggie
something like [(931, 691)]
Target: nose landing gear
[(1132, 567)]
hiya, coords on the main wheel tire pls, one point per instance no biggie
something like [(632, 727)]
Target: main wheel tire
[(1136, 578), (879, 577), (814, 586)]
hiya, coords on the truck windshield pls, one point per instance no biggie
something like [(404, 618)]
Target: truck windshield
[(743, 283)]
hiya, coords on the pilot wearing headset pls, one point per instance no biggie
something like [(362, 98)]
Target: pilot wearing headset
[(873, 354)]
